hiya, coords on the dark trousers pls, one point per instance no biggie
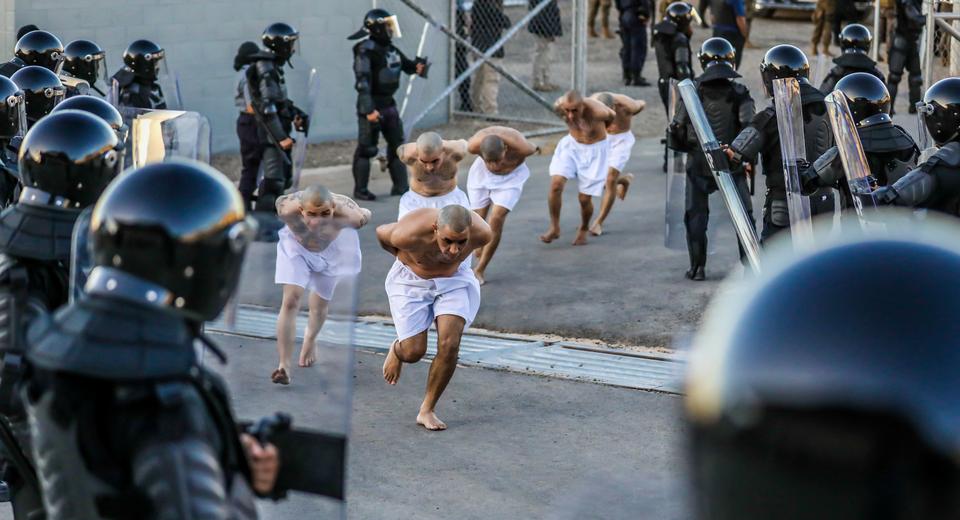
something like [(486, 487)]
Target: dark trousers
[(905, 53), (251, 153), (735, 38), (368, 137), (697, 215), (633, 49)]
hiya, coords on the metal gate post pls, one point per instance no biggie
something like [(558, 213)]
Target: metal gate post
[(931, 32), (579, 54)]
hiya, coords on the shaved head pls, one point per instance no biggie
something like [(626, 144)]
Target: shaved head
[(606, 98), (573, 96), (429, 143), (456, 218), (316, 196), (492, 148)]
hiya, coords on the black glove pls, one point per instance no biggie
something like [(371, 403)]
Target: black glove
[(885, 195)]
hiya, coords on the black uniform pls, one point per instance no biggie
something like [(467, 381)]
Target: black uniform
[(378, 66), (139, 92), (762, 138), (672, 48), (846, 64), (934, 184), (729, 108), (725, 26), (905, 51), (8, 68), (275, 112), (633, 37)]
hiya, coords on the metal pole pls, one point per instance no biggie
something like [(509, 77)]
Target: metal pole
[(875, 51), (452, 61), (406, 96), (955, 44), (482, 58), (579, 54), (929, 51)]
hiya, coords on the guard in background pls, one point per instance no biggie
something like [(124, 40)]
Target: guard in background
[(275, 113), (251, 148), (35, 48), (378, 64), (66, 161), (855, 42), (42, 91), (634, 15), (137, 80), (823, 26), (729, 109), (905, 52), (730, 23), (671, 42), (84, 60)]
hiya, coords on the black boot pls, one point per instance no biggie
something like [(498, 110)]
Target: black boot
[(698, 259), (363, 194), (639, 81), (627, 78)]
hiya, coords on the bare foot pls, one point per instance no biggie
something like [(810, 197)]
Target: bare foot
[(551, 235), (280, 376), (581, 239), (623, 184), (479, 275), (596, 229), (308, 355), (392, 365), (430, 421)]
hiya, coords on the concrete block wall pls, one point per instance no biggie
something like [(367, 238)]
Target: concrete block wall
[(201, 37)]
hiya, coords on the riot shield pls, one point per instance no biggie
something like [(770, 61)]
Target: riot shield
[(820, 70), (75, 86), (786, 98), (81, 262), (317, 398), (675, 233), (113, 95), (169, 84), (924, 140), (159, 135), (717, 160), (301, 132), (859, 179)]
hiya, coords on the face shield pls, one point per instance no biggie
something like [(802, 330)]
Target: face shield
[(392, 26), (91, 68), (13, 118), (924, 110)]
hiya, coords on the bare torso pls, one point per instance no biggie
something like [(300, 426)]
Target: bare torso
[(320, 237), (416, 245), (622, 122), (424, 258), (586, 130), (439, 182)]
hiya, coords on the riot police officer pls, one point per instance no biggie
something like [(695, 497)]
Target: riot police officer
[(13, 125), (729, 108), (905, 51), (889, 149), (101, 109), (377, 64), (761, 139), (634, 15), (935, 184), (275, 113), (84, 60), (121, 361), (671, 42), (804, 402), (855, 41), (35, 48), (42, 91), (138, 79), (65, 161)]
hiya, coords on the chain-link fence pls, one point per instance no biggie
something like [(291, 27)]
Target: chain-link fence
[(508, 60)]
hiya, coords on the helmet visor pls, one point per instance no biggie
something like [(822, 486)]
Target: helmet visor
[(392, 26), (14, 122), (924, 110)]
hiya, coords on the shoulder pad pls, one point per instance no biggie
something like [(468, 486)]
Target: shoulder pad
[(37, 232), (887, 137), (763, 118), (810, 95), (947, 156), (266, 66), (365, 46), (666, 28), (124, 77)]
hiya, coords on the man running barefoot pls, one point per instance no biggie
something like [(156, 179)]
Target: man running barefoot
[(581, 155), (430, 282), (621, 144), (318, 246), (433, 165), (495, 181)]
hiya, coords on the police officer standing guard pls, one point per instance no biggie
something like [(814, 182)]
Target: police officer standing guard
[(671, 42), (905, 51), (137, 80), (378, 64)]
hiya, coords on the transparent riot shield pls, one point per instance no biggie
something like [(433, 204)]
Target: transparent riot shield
[(75, 86), (319, 268), (81, 262), (301, 130), (169, 84), (859, 179), (924, 140), (717, 160), (675, 232), (820, 70), (786, 98), (113, 95), (159, 135)]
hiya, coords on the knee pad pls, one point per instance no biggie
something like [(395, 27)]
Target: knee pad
[(367, 151), (271, 187), (915, 81), (779, 213)]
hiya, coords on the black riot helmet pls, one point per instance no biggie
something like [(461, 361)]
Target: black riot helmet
[(143, 57), (833, 412), (67, 159), (100, 108), (940, 110), (380, 25), (681, 14), (867, 97), (13, 115), (783, 61), (855, 38), (177, 224), (41, 88), (282, 39), (716, 51), (84, 59), (40, 48)]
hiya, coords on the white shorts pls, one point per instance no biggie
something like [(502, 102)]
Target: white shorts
[(415, 302), (485, 187), (585, 162), (620, 147), (317, 271), (412, 200)]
